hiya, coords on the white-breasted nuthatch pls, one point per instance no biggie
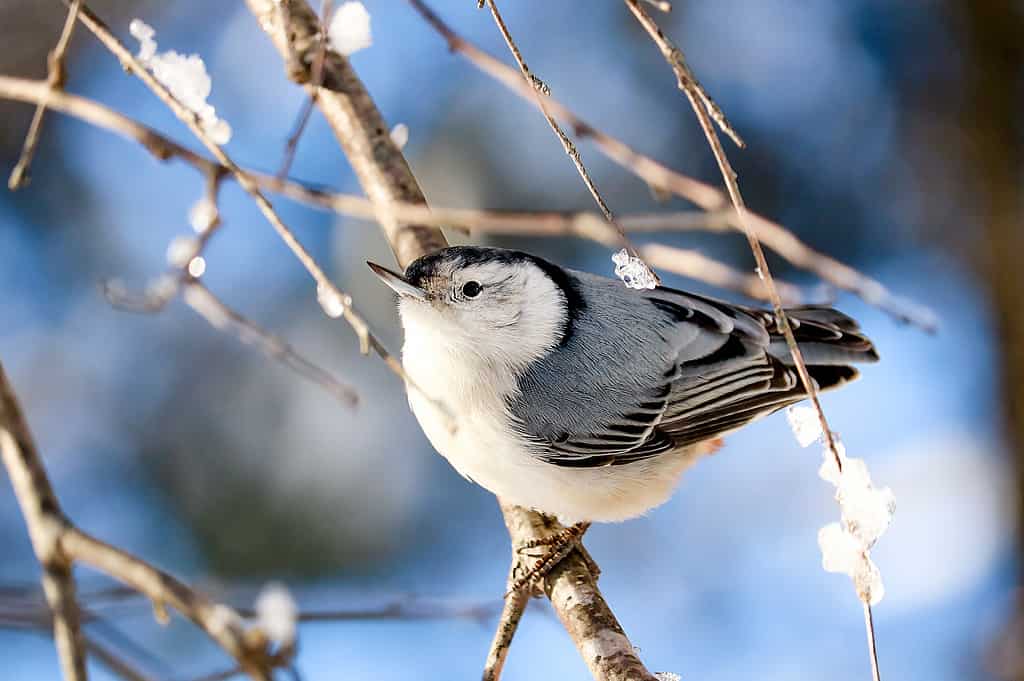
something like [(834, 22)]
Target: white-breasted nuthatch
[(577, 397)]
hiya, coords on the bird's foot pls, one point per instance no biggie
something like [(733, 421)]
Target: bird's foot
[(560, 544)]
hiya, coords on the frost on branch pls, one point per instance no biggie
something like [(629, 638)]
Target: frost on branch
[(332, 304), (276, 613), (805, 424), (865, 510), (202, 215), (184, 76), (349, 30), (400, 135), (181, 250), (633, 271)]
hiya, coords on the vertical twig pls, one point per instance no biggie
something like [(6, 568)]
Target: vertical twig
[(55, 76)]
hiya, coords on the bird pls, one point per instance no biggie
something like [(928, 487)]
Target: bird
[(578, 397)]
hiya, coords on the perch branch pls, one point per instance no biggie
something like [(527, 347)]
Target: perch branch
[(385, 177), (688, 84), (56, 74), (657, 175)]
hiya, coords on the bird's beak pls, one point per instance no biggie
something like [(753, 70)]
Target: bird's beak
[(397, 282)]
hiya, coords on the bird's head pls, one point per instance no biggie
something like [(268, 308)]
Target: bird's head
[(493, 303)]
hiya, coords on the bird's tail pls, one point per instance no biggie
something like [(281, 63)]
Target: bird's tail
[(829, 341)]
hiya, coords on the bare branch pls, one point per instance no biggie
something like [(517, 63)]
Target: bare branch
[(516, 601), (657, 175), (59, 544), (582, 224), (539, 91), (325, 286), (56, 75), (46, 523), (222, 317)]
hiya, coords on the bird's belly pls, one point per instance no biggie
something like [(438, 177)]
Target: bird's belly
[(491, 455)]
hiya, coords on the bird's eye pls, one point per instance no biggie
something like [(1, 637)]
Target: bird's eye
[(471, 289)]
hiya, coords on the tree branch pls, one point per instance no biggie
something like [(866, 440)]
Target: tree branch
[(385, 177), (583, 224), (655, 174), (55, 77), (59, 544), (46, 524)]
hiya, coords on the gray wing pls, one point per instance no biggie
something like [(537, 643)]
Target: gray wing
[(643, 373)]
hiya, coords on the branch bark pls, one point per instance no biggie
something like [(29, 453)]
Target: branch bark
[(46, 524), (58, 544), (386, 178)]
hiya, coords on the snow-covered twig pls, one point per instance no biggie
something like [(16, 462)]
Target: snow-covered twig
[(704, 111), (367, 340)]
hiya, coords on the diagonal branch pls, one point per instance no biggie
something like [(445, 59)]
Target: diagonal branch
[(660, 176), (583, 224), (540, 90)]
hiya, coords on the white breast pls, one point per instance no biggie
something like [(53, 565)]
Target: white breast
[(486, 448)]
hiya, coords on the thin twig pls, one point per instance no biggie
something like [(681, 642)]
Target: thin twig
[(302, 120), (584, 224), (674, 57), (59, 544), (540, 91), (367, 340), (222, 317), (512, 611), (710, 198), (869, 627), (55, 78), (46, 523)]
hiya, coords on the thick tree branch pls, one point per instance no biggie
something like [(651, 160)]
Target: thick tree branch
[(386, 178)]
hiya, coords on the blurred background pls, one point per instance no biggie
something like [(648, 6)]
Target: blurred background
[(886, 134)]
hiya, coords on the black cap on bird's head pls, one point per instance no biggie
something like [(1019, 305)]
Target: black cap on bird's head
[(488, 291)]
